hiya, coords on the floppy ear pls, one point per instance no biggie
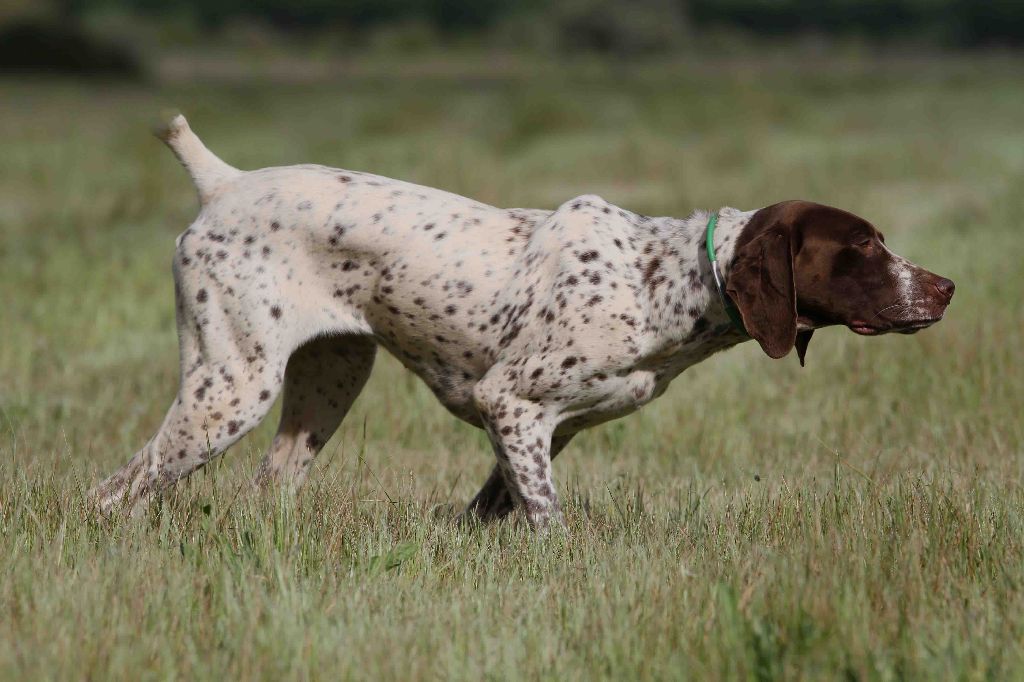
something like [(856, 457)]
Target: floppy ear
[(761, 285), (802, 340)]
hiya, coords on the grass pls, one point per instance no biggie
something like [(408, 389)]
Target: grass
[(861, 518)]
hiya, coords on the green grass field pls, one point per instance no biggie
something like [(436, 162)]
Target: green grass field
[(859, 519)]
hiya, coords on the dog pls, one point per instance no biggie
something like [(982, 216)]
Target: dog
[(530, 324)]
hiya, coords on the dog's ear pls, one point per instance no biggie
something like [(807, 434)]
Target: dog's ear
[(761, 285), (802, 341)]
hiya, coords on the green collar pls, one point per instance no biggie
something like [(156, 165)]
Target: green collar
[(730, 307)]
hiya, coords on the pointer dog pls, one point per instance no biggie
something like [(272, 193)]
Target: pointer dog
[(530, 324)]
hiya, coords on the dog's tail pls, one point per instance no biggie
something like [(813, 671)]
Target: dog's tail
[(207, 170)]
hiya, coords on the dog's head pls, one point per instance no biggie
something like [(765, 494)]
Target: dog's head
[(800, 266)]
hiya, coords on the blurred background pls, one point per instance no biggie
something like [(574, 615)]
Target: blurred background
[(907, 112), (147, 39)]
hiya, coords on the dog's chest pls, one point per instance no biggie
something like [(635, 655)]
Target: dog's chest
[(646, 380)]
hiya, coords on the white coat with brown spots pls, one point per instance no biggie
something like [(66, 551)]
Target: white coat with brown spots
[(531, 324)]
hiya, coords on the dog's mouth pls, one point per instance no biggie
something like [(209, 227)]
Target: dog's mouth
[(864, 329), (909, 327), (901, 318)]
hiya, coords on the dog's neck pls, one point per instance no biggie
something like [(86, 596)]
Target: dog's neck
[(689, 312), (731, 222)]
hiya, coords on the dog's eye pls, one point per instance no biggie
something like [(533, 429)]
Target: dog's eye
[(865, 243)]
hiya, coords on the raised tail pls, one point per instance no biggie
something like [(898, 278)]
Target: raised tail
[(207, 170)]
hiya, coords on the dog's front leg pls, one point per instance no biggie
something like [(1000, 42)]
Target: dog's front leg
[(494, 502), (520, 431)]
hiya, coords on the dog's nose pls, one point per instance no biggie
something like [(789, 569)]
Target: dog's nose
[(945, 287)]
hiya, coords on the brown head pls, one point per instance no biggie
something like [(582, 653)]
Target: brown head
[(799, 266)]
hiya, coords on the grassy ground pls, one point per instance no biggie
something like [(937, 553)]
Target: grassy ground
[(860, 518)]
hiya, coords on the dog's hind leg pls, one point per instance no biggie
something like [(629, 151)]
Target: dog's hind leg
[(230, 376), (218, 403), (322, 380)]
